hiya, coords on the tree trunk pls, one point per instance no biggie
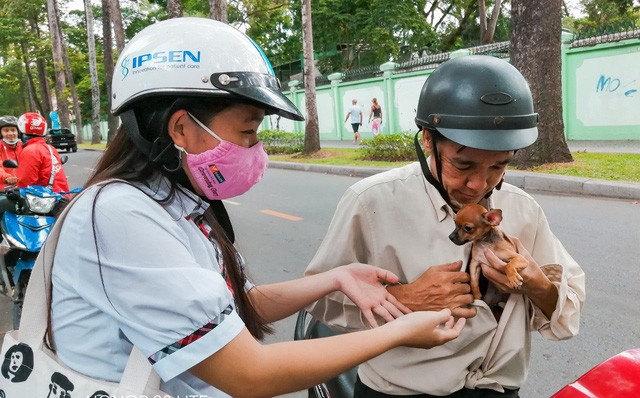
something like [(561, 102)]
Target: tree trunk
[(34, 103), (174, 8), (58, 65), (311, 128), (536, 52), (72, 85), (116, 19), (43, 81), (93, 73), (218, 10), (490, 26), (112, 122)]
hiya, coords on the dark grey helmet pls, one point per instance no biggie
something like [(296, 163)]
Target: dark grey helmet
[(8, 121), (480, 102)]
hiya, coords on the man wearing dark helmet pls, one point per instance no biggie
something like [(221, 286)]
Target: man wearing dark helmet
[(474, 112)]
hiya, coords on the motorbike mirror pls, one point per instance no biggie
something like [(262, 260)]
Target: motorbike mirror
[(10, 164), (64, 159)]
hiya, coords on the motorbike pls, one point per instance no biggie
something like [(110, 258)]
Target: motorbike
[(618, 376), (26, 218)]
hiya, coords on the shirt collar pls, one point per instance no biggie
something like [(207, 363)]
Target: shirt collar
[(185, 203)]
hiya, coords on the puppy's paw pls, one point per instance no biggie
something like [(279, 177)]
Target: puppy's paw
[(515, 280)]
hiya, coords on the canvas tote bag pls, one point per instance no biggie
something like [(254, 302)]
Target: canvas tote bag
[(29, 369)]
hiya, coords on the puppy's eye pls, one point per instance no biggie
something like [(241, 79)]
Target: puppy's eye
[(467, 228)]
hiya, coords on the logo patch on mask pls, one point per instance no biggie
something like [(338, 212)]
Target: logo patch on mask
[(216, 173)]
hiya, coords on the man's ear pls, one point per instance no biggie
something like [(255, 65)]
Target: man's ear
[(426, 140), (176, 127)]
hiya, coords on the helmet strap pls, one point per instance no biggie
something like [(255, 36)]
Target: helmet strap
[(437, 184), (156, 151)]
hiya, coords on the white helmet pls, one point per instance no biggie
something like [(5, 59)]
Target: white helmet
[(196, 57)]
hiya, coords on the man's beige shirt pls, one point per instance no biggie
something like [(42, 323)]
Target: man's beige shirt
[(398, 221)]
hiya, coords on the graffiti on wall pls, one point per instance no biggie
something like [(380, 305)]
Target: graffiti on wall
[(607, 91)]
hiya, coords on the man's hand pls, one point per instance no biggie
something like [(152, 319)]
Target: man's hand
[(535, 284), (439, 287), (11, 180)]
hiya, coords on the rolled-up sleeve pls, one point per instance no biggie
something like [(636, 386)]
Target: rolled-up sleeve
[(565, 320)]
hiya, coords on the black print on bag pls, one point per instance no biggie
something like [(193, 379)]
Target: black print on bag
[(100, 394), (18, 363), (60, 386), (2, 394)]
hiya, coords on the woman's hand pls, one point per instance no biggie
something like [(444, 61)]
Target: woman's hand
[(427, 329), (364, 285)]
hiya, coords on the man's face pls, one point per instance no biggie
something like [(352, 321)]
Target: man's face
[(16, 361), (468, 174)]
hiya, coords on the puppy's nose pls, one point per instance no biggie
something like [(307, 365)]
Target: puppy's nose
[(454, 238)]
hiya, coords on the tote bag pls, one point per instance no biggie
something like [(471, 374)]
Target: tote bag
[(30, 370)]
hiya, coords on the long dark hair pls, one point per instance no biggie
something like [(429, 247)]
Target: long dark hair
[(125, 161)]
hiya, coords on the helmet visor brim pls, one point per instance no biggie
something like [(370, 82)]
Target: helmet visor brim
[(492, 140), (261, 88)]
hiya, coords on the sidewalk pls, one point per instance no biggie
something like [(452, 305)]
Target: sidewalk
[(526, 180)]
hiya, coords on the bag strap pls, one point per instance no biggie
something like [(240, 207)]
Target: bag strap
[(52, 178), (138, 372)]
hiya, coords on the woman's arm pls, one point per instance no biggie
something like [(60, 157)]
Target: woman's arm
[(246, 368), (362, 283)]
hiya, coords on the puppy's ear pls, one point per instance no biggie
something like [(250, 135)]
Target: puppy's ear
[(493, 217)]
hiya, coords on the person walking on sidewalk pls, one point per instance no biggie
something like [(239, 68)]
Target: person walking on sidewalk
[(355, 113), (376, 114)]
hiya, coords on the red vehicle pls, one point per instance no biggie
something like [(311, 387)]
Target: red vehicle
[(618, 376)]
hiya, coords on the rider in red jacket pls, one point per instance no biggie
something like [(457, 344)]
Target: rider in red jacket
[(39, 163), (10, 148)]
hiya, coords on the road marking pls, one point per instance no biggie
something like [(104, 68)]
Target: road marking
[(281, 215), (231, 202)]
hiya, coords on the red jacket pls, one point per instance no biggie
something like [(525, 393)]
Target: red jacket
[(35, 164), (8, 152)]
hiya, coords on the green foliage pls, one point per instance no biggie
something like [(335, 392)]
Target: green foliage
[(274, 24), (278, 141), (606, 16), (389, 147), (367, 32)]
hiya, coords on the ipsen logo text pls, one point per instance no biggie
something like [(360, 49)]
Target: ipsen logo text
[(164, 57)]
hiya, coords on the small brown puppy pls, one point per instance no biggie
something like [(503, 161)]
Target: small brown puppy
[(476, 224)]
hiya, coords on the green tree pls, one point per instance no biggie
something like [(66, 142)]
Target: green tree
[(360, 33)]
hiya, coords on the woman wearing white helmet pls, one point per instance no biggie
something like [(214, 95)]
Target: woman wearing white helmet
[(162, 273)]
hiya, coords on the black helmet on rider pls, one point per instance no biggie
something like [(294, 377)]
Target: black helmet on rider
[(477, 101)]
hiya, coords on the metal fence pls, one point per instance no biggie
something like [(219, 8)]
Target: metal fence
[(623, 30)]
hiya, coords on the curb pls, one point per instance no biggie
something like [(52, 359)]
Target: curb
[(525, 180)]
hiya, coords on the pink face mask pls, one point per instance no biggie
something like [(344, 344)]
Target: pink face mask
[(228, 170)]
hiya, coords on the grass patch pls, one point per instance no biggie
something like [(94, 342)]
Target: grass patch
[(336, 157), (102, 146), (604, 166)]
